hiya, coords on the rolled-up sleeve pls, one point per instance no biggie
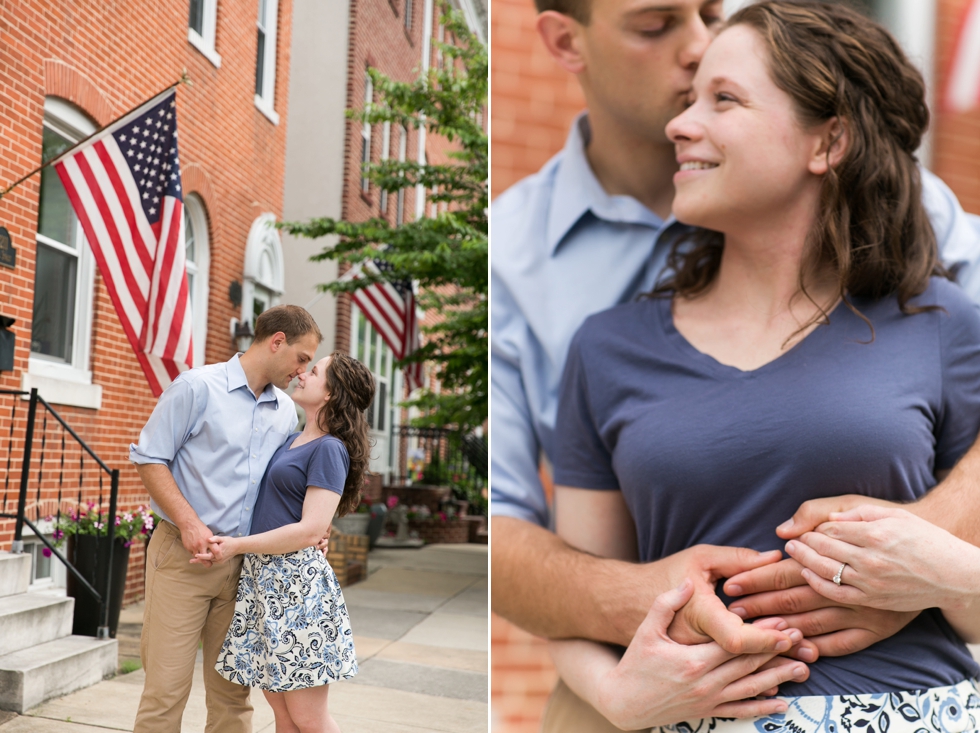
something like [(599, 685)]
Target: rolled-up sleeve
[(170, 424)]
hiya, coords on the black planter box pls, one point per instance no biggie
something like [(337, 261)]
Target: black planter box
[(89, 554)]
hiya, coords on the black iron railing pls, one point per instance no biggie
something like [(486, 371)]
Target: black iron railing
[(34, 402), (450, 458)]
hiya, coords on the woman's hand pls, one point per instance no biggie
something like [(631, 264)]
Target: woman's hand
[(660, 682), (220, 549), (894, 560)]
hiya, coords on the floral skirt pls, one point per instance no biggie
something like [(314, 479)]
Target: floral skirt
[(291, 629), (954, 709)]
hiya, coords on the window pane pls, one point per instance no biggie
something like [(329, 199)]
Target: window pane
[(408, 14), (42, 564), (197, 16), (188, 238), (361, 337), (258, 308), (260, 63), (55, 216), (382, 402), (368, 341), (54, 303), (190, 290)]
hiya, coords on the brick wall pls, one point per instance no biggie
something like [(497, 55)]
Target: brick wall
[(534, 99), (107, 58), (956, 144), (522, 678)]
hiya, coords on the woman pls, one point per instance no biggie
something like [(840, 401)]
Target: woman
[(291, 633), (806, 344)]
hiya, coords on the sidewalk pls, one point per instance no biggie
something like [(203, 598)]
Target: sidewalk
[(420, 629)]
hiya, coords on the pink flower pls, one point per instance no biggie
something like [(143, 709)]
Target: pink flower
[(46, 551), (118, 521), (392, 501), (442, 516)]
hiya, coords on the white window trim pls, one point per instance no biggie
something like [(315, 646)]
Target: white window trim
[(57, 382), (366, 133), (202, 255), (205, 42), (266, 102), (387, 461), (262, 237)]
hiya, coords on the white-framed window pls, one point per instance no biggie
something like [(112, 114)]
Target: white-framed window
[(385, 149), (408, 15), (264, 268), (202, 25), (46, 571), (402, 150), (265, 59), (366, 133), (369, 348), (198, 256), (61, 323)]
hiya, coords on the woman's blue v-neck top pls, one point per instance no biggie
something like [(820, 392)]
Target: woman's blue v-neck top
[(323, 462), (707, 453)]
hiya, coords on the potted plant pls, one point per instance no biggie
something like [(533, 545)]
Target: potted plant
[(356, 522), (88, 549)]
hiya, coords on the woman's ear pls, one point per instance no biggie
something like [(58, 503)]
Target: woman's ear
[(832, 144)]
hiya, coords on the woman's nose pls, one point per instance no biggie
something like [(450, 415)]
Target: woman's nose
[(683, 127)]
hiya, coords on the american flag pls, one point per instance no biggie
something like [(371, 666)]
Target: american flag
[(963, 84), (124, 184), (390, 307)]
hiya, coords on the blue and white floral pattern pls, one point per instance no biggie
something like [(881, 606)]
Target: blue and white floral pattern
[(954, 709), (291, 629)]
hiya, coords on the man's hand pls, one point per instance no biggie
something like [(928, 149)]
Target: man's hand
[(659, 682), (195, 536), (324, 544), (220, 549), (705, 617), (833, 629)]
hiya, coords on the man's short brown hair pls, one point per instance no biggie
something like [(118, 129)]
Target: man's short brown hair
[(292, 320), (577, 9)]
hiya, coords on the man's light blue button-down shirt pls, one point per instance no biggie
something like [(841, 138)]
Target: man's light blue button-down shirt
[(216, 438), (563, 249)]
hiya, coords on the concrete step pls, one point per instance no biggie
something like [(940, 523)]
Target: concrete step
[(15, 573), (32, 618), (30, 676)]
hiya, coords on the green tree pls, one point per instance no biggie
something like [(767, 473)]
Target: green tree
[(447, 254)]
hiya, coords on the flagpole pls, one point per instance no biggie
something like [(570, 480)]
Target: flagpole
[(184, 79)]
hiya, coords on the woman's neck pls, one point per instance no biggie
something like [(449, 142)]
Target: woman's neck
[(311, 431)]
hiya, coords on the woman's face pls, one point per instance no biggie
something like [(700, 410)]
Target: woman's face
[(743, 154), (311, 390)]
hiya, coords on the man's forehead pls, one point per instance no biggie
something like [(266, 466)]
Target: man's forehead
[(638, 7)]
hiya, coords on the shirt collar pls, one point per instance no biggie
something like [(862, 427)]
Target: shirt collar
[(577, 191), (237, 380)]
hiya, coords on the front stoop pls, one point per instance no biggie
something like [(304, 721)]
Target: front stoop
[(31, 676), (15, 573)]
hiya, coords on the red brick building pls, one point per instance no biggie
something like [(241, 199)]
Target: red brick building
[(68, 67), (533, 104)]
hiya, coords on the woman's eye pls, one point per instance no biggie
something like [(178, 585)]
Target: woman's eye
[(724, 97)]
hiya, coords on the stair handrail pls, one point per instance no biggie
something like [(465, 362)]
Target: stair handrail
[(21, 519)]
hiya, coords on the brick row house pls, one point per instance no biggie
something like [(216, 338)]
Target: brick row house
[(66, 70), (533, 104), (325, 155)]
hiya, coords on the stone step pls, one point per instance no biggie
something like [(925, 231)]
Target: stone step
[(33, 618), (30, 676), (15, 573)]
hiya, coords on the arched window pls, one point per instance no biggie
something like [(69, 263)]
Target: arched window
[(264, 280), (198, 255)]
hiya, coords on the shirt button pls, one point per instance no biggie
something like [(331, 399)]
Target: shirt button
[(253, 481), (254, 456), (246, 508), (239, 534)]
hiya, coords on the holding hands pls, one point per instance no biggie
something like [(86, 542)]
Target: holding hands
[(889, 558), (220, 549)]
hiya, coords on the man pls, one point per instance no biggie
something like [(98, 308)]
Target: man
[(201, 456), (590, 230)]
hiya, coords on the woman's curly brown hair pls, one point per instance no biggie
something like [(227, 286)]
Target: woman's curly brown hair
[(872, 228), (351, 388)]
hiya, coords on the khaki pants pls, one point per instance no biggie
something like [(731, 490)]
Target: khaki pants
[(184, 604), (566, 712)]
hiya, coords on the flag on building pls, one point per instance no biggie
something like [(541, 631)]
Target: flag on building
[(963, 85), (124, 184), (389, 305)]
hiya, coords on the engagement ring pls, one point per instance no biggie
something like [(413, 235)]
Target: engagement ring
[(837, 577)]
